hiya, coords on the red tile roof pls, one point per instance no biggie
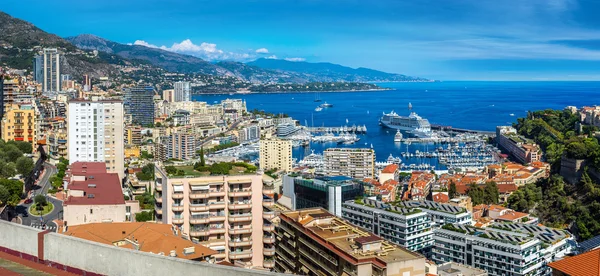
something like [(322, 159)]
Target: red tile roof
[(79, 168), (586, 264), (390, 168), (367, 239), (512, 216), (107, 190), (441, 197)]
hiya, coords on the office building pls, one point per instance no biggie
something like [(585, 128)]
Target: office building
[(181, 146), (286, 129), (276, 154), (38, 69), (95, 196), (182, 91), (521, 148), (353, 162), (325, 192), (18, 123), (315, 242), (96, 133), (139, 104), (409, 227), (51, 74), (502, 249), (226, 213), (143, 236)]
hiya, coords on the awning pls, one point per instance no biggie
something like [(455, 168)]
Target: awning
[(178, 188), (200, 188), (218, 247), (199, 213)]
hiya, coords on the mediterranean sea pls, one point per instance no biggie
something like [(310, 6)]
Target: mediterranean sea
[(478, 105)]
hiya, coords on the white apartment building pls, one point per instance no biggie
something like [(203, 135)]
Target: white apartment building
[(95, 133), (352, 162), (183, 91), (276, 154)]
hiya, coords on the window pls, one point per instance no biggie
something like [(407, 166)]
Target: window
[(91, 211)]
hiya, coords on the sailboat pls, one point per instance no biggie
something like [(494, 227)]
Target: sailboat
[(317, 97), (346, 121)]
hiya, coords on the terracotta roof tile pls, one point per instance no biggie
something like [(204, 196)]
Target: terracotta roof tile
[(586, 264), (390, 168)]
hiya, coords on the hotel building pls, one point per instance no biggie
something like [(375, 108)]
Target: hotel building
[(352, 162), (276, 154), (316, 242), (229, 214), (19, 124), (96, 133)]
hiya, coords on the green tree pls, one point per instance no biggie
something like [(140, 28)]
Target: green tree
[(12, 152), (452, 193), (143, 216), (171, 170), (4, 195), (24, 147), (40, 200), (7, 169), (476, 194), (202, 161), (490, 193), (24, 166)]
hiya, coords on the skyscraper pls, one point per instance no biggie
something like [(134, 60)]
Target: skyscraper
[(51, 70), (96, 133), (1, 100), (38, 69), (139, 103), (182, 91), (87, 83)]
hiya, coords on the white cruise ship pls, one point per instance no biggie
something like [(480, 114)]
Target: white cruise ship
[(413, 124)]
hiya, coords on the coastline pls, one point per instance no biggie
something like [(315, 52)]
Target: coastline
[(290, 92)]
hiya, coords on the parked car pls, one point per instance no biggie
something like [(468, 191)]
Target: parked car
[(28, 201)]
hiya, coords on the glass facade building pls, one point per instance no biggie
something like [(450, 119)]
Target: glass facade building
[(139, 103)]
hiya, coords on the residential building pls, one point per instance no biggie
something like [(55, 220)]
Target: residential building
[(57, 144), (96, 133), (132, 152), (352, 162), (51, 81), (503, 249), (276, 154), (154, 238), (440, 213), (521, 148), (181, 146), (328, 192), (408, 227), (390, 172), (160, 152), (419, 185), (456, 269), (227, 213), (38, 69), (1, 101), (169, 95), (139, 104), (249, 133), (19, 123), (181, 117), (314, 241), (183, 91), (93, 195), (284, 130), (237, 106), (87, 83), (586, 264), (133, 135)]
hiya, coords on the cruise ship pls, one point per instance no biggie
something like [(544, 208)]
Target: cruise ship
[(413, 124)]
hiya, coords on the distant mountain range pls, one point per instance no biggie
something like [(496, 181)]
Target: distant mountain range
[(17, 36)]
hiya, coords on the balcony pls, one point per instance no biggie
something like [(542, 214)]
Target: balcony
[(243, 264), (268, 227), (239, 242), (137, 184), (177, 207), (199, 207), (199, 194), (268, 190), (269, 263), (158, 197), (237, 205), (216, 205), (177, 220), (217, 217), (269, 239), (199, 219), (243, 230), (158, 210), (242, 254), (240, 217), (177, 195), (240, 192), (199, 232), (217, 193), (268, 202), (158, 187), (268, 215), (217, 230), (269, 251)]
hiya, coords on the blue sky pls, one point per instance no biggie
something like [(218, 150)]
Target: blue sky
[(443, 39)]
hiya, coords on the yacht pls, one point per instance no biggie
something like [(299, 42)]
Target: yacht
[(325, 105), (413, 123), (318, 109), (398, 137)]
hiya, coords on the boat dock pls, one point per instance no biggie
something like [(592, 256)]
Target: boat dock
[(462, 130), (350, 129)]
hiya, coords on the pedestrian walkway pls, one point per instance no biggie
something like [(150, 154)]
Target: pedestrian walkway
[(12, 265)]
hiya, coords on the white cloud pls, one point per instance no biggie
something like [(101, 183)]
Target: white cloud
[(271, 57), (262, 51), (295, 59), (204, 50)]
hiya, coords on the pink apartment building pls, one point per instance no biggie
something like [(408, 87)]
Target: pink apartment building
[(229, 214)]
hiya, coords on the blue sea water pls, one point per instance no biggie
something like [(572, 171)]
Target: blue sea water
[(461, 104)]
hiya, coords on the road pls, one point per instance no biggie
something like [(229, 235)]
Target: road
[(42, 187)]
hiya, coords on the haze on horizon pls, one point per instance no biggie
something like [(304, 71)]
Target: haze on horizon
[(438, 39)]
